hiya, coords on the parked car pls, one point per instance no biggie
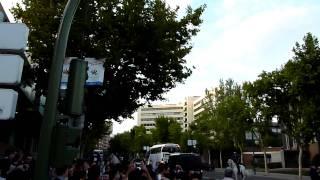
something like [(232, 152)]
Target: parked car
[(185, 165)]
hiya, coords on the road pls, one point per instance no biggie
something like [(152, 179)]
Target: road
[(218, 175)]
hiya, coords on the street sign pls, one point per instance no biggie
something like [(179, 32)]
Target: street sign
[(8, 103), (13, 40), (95, 72), (13, 36), (11, 67)]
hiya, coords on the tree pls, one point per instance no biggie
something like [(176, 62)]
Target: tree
[(232, 111), (291, 94), (121, 143), (167, 130), (143, 44), (302, 92), (140, 138), (210, 131), (175, 132), (90, 141), (225, 118), (262, 95)]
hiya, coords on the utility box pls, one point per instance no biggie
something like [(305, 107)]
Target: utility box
[(8, 102), (11, 67)]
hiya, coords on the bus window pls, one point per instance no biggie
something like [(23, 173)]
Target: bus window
[(155, 150), (171, 149)]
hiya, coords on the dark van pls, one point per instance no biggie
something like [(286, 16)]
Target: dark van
[(185, 165)]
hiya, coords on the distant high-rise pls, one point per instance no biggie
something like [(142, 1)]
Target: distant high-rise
[(148, 114), (182, 112)]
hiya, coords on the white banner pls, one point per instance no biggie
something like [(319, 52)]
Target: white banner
[(95, 72)]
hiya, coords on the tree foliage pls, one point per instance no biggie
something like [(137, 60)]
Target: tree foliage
[(290, 94), (302, 74), (143, 44), (232, 111), (166, 130), (225, 117), (131, 142)]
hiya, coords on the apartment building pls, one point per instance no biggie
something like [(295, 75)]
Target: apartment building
[(189, 111), (198, 107), (182, 112), (148, 114)]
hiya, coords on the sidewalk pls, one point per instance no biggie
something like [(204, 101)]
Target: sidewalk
[(272, 175)]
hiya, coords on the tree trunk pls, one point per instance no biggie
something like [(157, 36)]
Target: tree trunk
[(265, 161), (209, 158), (264, 156), (300, 162), (241, 154), (220, 155)]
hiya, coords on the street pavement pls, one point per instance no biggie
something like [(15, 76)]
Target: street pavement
[(218, 175)]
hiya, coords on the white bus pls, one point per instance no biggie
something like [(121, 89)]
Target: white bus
[(161, 152)]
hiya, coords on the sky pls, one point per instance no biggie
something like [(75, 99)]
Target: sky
[(239, 39)]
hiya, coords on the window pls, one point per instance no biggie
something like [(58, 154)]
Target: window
[(170, 149), (155, 150)]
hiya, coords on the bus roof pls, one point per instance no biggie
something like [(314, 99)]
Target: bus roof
[(162, 145)]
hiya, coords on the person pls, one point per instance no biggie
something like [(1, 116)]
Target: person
[(93, 171), (228, 172), (178, 172), (315, 168), (80, 170), (138, 171), (6, 162), (163, 172), (236, 159), (61, 173)]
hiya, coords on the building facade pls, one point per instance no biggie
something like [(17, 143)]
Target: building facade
[(182, 112), (189, 111), (147, 115)]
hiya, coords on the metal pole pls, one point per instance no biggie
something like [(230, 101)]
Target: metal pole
[(42, 163)]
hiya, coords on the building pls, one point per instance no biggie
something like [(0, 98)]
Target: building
[(148, 114), (189, 111), (198, 107), (182, 112), (3, 14)]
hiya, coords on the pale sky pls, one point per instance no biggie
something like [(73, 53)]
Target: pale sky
[(239, 39)]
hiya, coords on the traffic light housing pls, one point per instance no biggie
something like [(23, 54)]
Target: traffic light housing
[(75, 88), (65, 145)]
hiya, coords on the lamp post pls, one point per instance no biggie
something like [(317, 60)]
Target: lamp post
[(42, 163)]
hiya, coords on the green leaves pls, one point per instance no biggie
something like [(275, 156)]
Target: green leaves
[(142, 41), (167, 130), (224, 120)]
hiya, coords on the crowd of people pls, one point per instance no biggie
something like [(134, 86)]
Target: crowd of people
[(139, 170), (16, 165)]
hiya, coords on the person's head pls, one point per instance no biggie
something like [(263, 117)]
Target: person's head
[(228, 172), (163, 168), (10, 153), (316, 160), (62, 171)]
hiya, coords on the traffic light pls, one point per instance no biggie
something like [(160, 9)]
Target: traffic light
[(75, 87), (65, 145)]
